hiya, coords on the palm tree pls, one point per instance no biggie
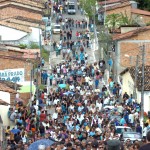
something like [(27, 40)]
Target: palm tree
[(125, 20), (113, 21)]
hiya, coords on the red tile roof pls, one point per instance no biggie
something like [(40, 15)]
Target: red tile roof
[(126, 3), (5, 88), (112, 2), (130, 34), (2, 102), (16, 26), (140, 12)]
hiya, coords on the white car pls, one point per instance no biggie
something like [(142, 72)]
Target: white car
[(71, 8), (56, 28)]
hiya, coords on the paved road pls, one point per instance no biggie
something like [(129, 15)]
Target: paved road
[(93, 55)]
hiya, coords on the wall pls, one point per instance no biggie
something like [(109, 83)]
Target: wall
[(16, 63), (4, 109), (7, 33), (145, 18), (32, 37), (14, 11), (146, 100), (22, 38), (127, 83)]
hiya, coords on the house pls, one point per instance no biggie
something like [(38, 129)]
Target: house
[(126, 7), (128, 46), (24, 8), (16, 66), (21, 21), (128, 83), (20, 31)]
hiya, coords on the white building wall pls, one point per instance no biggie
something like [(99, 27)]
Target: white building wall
[(146, 100), (16, 37), (5, 96), (7, 34)]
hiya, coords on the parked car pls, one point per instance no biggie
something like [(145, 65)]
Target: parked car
[(122, 129), (56, 28), (133, 136)]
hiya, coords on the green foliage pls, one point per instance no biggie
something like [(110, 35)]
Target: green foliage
[(125, 20), (89, 7), (143, 4), (41, 87), (45, 54), (33, 45), (113, 21), (22, 46)]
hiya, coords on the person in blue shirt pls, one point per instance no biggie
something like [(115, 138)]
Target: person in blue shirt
[(82, 57), (139, 129), (122, 121), (51, 76)]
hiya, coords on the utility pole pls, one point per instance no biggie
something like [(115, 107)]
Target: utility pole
[(142, 85), (40, 41), (135, 79), (37, 86)]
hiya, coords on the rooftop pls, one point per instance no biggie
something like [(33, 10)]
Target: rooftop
[(127, 35), (16, 26), (2, 102), (5, 88), (125, 3), (140, 12), (10, 84), (112, 2), (32, 3)]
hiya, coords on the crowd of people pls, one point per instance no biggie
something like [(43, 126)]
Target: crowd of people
[(72, 113), (79, 111)]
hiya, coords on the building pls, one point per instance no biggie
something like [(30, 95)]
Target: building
[(16, 66), (26, 8), (128, 46), (128, 81), (130, 8), (21, 21)]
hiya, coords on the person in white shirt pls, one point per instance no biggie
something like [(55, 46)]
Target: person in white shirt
[(90, 82), (80, 117), (131, 118), (55, 115), (99, 105), (78, 88), (87, 79), (71, 87), (106, 101), (56, 101)]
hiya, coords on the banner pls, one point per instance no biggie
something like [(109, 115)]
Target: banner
[(13, 75)]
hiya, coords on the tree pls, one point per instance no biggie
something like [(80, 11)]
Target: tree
[(113, 21), (144, 4), (126, 20), (89, 7)]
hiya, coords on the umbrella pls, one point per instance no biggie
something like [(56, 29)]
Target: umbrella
[(45, 142), (68, 93), (15, 131), (62, 86)]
